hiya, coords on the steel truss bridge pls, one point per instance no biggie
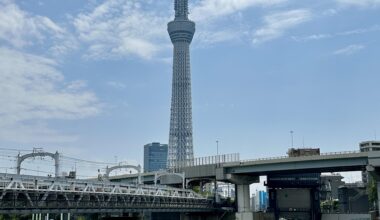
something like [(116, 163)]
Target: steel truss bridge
[(22, 194)]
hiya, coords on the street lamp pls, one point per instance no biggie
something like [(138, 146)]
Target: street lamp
[(217, 147), (291, 135)]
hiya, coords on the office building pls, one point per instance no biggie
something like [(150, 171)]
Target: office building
[(353, 198), (259, 201), (155, 157), (329, 186), (365, 147)]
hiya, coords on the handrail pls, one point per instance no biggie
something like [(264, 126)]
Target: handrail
[(304, 156), (210, 160)]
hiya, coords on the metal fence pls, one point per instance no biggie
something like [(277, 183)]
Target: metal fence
[(305, 156), (218, 159)]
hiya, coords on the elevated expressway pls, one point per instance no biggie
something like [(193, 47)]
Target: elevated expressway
[(227, 171), (126, 194), (245, 172)]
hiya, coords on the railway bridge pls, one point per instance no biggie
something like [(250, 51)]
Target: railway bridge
[(23, 194)]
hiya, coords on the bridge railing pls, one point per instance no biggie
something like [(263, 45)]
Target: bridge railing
[(340, 153), (25, 183), (304, 156), (217, 159)]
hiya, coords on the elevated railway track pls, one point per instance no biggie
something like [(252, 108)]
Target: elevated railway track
[(35, 194)]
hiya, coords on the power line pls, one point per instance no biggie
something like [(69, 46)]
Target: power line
[(12, 149), (39, 171), (10, 168), (8, 156), (88, 161)]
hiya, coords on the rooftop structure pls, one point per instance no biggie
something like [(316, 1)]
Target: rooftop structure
[(292, 152), (367, 146)]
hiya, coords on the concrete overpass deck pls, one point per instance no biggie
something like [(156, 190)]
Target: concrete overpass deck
[(329, 162)]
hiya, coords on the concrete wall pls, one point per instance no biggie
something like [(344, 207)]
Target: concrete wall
[(171, 180), (346, 217), (294, 199), (191, 216), (200, 171), (263, 216)]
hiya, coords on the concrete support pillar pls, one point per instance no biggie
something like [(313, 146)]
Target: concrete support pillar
[(242, 183), (68, 216), (47, 216), (378, 194), (32, 216), (61, 216), (183, 216), (40, 216), (375, 174), (243, 203)]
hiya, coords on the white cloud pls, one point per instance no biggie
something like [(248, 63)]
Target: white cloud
[(330, 12), (210, 9), (117, 29), (20, 29), (350, 49), (360, 3), (37, 132), (121, 28), (205, 37), (116, 85), (34, 91), (360, 31), (277, 24), (223, 20), (125, 28), (313, 37)]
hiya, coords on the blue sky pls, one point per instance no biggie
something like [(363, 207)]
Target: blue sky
[(92, 78)]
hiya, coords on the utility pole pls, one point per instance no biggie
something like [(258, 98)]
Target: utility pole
[(291, 135), (217, 147), (116, 164)]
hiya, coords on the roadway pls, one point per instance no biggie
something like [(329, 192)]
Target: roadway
[(328, 162)]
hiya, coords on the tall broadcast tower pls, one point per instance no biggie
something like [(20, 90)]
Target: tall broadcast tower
[(181, 32)]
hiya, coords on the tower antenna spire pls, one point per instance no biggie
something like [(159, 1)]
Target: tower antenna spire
[(181, 32), (181, 8)]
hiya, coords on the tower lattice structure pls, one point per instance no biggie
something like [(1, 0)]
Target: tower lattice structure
[(181, 32)]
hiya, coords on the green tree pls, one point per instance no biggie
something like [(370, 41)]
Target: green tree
[(372, 192), (81, 218)]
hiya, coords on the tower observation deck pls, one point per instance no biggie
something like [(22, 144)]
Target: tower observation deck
[(181, 32)]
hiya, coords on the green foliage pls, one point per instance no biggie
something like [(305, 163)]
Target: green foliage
[(197, 189), (335, 205), (372, 191), (81, 218), (330, 205)]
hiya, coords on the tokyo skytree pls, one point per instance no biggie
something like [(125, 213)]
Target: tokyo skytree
[(181, 32)]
